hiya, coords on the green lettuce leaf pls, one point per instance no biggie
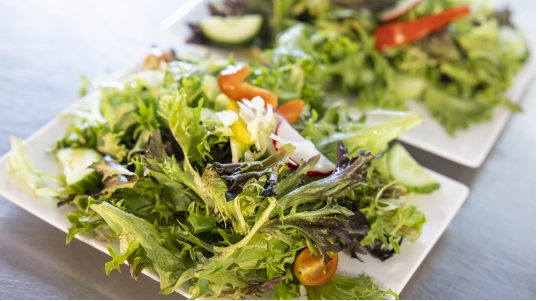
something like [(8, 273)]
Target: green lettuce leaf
[(217, 269), (370, 137), (348, 288), (134, 231), (115, 176)]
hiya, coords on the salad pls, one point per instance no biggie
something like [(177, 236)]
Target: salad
[(457, 58), (215, 183)]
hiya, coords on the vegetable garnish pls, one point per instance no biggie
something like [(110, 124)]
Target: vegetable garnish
[(311, 270), (457, 63), (227, 196), (292, 110), (231, 82), (399, 33)]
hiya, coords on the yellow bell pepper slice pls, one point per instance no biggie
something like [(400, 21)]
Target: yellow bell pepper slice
[(239, 128)]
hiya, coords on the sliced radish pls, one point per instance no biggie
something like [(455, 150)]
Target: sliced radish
[(398, 10), (304, 148)]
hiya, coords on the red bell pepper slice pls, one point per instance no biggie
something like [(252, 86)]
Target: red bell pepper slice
[(231, 83), (399, 33)]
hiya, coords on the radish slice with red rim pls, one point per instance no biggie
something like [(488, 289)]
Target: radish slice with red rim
[(304, 148)]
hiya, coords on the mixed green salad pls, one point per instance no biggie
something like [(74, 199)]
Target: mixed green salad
[(455, 57), (217, 184)]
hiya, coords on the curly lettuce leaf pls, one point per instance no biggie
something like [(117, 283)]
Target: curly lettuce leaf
[(81, 222), (216, 269), (133, 231), (209, 187)]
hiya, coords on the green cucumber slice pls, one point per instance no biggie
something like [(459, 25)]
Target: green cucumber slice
[(75, 162), (231, 30), (403, 167)]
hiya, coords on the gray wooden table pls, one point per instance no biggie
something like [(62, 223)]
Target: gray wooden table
[(487, 252)]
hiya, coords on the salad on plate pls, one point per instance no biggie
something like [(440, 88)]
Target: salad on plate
[(194, 169), (457, 58)]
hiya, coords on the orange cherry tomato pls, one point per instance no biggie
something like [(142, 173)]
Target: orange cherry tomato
[(231, 83), (292, 110), (156, 56), (399, 33), (311, 270)]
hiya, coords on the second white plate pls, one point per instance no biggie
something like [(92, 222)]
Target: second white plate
[(469, 147)]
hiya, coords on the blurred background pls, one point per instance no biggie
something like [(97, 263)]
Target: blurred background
[(487, 252)]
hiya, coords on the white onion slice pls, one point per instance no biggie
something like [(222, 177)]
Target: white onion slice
[(304, 148)]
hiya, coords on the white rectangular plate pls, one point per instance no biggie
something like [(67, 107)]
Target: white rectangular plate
[(469, 147), (439, 208)]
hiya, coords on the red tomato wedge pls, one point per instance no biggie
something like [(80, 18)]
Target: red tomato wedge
[(231, 83), (399, 33), (292, 110)]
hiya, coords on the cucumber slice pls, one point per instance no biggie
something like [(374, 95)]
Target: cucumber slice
[(382, 167), (403, 167), (75, 162), (231, 30)]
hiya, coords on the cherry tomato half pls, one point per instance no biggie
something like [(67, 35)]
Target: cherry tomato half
[(156, 56), (311, 270)]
